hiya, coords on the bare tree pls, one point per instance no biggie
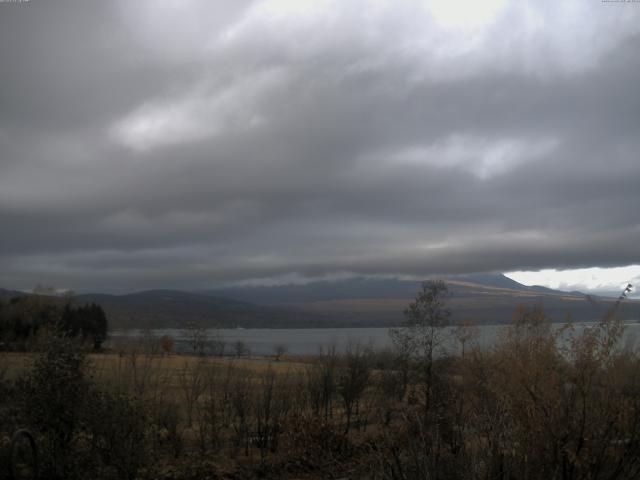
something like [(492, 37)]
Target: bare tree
[(241, 399), (240, 348), (217, 342), (353, 379), (279, 350), (464, 333), (321, 382), (140, 364), (266, 412), (422, 333), (192, 380), (197, 337)]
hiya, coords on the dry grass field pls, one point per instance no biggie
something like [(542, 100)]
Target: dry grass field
[(13, 364), (110, 366)]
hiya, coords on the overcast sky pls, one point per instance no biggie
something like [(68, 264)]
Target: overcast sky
[(158, 143)]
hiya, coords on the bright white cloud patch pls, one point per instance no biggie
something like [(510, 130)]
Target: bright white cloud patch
[(154, 125), (205, 112), (596, 279), (464, 13), (484, 158)]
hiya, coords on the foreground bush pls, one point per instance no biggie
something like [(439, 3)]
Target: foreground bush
[(543, 403), (81, 430)]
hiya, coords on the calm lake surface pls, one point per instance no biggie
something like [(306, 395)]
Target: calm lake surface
[(309, 341)]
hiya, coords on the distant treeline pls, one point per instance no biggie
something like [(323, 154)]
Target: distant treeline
[(23, 318)]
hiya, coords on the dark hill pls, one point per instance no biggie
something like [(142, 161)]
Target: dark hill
[(175, 308), (8, 294)]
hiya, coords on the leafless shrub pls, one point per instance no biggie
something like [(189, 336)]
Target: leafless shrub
[(315, 444), (240, 349), (321, 382), (192, 381), (117, 427), (241, 401), (140, 367), (353, 379), (279, 350), (166, 428), (197, 338)]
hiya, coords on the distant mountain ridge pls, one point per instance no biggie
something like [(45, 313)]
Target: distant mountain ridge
[(362, 288), (481, 298), (7, 294), (358, 302)]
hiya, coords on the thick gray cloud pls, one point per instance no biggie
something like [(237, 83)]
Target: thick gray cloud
[(184, 144)]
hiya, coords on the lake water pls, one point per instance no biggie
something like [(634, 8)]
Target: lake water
[(309, 341)]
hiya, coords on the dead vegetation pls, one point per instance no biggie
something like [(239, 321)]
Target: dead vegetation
[(541, 403)]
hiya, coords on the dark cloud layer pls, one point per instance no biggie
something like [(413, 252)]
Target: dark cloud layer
[(185, 144)]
